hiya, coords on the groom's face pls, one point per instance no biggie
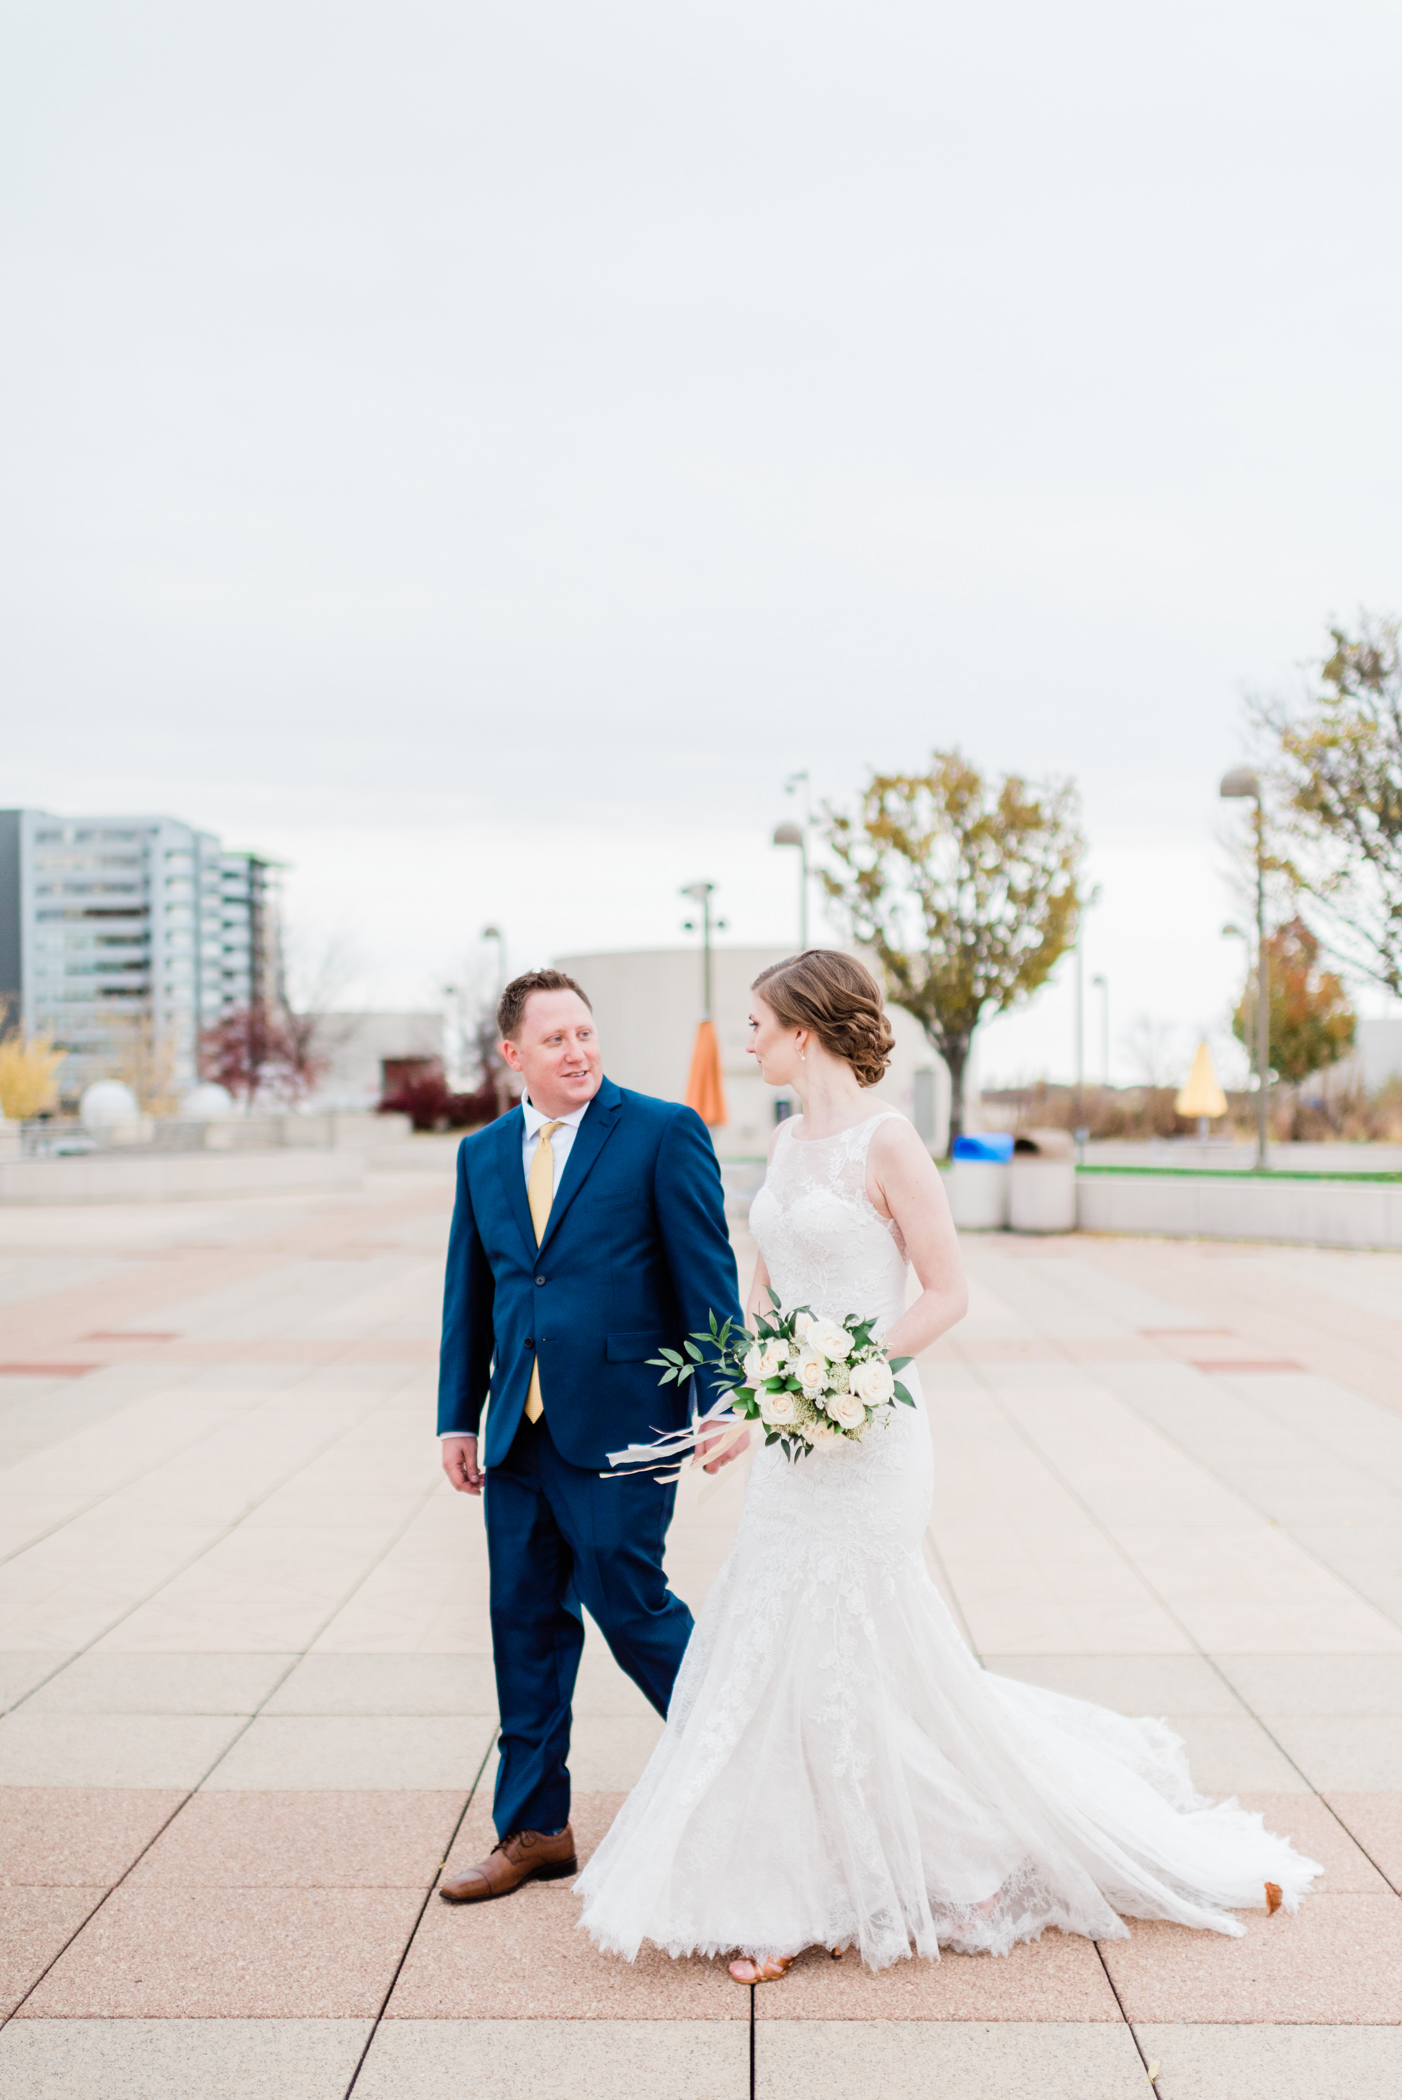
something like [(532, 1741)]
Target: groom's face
[(556, 1051)]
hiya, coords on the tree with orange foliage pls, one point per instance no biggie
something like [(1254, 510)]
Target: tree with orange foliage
[(1312, 1024)]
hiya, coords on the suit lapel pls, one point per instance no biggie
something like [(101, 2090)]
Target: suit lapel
[(512, 1128), (600, 1122)]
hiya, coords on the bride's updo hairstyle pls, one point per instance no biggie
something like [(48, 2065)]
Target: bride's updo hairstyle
[(839, 1001)]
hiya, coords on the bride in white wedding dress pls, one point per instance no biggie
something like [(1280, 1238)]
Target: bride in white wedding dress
[(836, 1768)]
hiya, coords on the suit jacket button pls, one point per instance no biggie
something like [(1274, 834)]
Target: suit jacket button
[(530, 1341), (540, 1279)]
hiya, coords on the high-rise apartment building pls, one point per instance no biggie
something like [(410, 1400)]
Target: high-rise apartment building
[(124, 937)]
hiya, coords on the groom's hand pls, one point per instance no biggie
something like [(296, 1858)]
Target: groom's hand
[(713, 1443), (460, 1464)]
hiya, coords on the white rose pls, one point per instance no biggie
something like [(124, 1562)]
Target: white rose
[(820, 1434), (779, 1410), (873, 1381), (847, 1411), (834, 1341), (801, 1324), (811, 1370), (773, 1359), (753, 1359)]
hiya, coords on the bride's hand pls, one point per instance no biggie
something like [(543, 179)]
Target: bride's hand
[(723, 1458)]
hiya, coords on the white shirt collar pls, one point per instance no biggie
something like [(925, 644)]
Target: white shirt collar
[(535, 1120)]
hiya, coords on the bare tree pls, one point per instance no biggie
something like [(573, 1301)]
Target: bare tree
[(1336, 760), (1151, 1049)]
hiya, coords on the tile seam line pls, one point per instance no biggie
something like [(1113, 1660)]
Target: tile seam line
[(429, 1894), (190, 1792), (229, 1529), (1184, 1451), (1210, 1660), (1133, 2034), (177, 1451)]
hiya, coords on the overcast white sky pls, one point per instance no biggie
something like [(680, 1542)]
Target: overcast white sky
[(477, 452)]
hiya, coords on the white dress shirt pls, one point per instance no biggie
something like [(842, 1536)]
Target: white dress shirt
[(560, 1144)]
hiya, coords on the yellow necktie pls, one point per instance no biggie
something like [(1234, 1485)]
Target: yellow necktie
[(540, 1194)]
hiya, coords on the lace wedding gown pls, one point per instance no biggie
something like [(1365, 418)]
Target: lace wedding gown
[(836, 1767)]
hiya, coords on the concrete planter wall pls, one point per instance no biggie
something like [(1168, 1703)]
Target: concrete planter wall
[(1214, 1207), (160, 1177), (1042, 1195)]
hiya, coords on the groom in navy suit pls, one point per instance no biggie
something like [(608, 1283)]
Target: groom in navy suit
[(589, 1231)]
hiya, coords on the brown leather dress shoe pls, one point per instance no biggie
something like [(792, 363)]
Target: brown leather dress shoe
[(527, 1855)]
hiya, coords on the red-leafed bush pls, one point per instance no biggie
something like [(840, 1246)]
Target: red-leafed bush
[(429, 1101)]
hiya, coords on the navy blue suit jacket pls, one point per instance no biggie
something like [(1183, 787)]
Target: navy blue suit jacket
[(635, 1255)]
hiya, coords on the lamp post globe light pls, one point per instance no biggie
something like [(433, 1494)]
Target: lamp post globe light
[(1243, 783)]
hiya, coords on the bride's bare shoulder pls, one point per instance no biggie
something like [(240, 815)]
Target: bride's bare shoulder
[(898, 1148)]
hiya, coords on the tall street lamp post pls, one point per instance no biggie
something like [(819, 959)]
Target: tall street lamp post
[(1242, 783), (501, 1076), (494, 933), (795, 835), (701, 894), (1103, 987)]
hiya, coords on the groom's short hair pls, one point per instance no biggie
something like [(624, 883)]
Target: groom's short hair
[(511, 1007)]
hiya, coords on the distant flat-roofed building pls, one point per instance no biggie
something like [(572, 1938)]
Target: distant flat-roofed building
[(124, 937), (647, 1003)]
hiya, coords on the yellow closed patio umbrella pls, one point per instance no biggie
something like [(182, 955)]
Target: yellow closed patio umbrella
[(1202, 1096)]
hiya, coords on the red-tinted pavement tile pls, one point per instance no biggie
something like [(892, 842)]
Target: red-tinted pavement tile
[(1336, 1962), (1055, 1978), (302, 1840), (1376, 1822), (229, 1954), (34, 1924), (57, 1836), (524, 1958)]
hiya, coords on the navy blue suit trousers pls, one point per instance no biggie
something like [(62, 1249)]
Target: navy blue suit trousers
[(558, 1537)]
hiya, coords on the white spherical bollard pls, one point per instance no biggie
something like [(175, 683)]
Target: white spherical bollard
[(206, 1103), (108, 1105)]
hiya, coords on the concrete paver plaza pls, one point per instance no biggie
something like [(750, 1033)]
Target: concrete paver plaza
[(248, 1706)]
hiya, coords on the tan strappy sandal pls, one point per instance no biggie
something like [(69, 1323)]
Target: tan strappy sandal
[(767, 1971)]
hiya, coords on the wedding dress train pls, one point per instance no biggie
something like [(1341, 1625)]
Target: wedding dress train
[(836, 1767)]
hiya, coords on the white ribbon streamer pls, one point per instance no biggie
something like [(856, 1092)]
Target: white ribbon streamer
[(675, 1448)]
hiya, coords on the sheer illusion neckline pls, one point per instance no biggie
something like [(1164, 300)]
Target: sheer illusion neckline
[(834, 1135)]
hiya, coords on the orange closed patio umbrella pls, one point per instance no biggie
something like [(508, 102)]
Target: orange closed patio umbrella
[(705, 1088)]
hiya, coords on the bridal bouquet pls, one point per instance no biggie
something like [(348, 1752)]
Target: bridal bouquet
[(809, 1382)]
